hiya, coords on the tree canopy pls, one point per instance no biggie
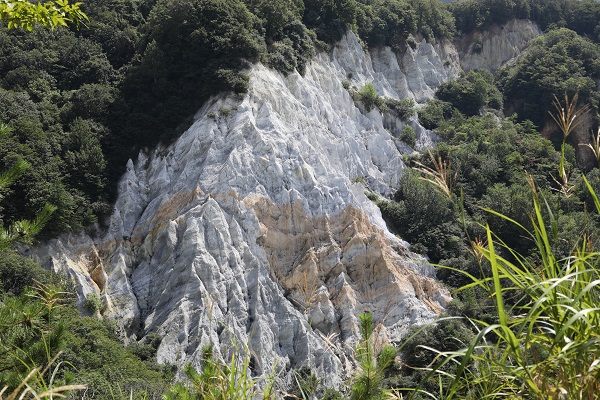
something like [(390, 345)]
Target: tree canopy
[(556, 63), (25, 14)]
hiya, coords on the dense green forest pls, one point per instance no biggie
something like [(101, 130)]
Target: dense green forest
[(76, 103)]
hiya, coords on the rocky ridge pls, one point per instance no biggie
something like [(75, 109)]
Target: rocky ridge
[(254, 226)]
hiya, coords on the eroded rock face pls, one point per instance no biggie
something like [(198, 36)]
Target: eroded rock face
[(493, 48), (254, 226)]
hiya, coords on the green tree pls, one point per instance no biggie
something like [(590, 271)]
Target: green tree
[(373, 359), (433, 19), (434, 113), (330, 19), (386, 22), (22, 230), (24, 14), (17, 273), (471, 92), (557, 63), (424, 217)]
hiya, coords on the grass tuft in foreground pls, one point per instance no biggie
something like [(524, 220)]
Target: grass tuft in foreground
[(545, 345)]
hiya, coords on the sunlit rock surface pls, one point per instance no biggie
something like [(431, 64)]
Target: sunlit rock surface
[(254, 226)]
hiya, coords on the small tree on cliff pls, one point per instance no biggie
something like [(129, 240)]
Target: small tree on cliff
[(373, 359)]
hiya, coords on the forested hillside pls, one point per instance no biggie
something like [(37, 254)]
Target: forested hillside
[(76, 103)]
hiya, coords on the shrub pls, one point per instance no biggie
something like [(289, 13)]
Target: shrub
[(18, 272), (424, 217), (471, 92), (409, 136), (434, 113), (146, 349), (549, 347), (404, 109), (94, 353), (369, 97), (281, 56), (93, 304)]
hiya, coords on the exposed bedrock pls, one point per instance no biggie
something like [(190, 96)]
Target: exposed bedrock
[(254, 226)]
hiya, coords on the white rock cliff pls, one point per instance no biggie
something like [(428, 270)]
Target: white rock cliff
[(254, 227), (491, 49)]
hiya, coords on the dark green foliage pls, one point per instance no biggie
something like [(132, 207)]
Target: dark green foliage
[(470, 93), (330, 19), (403, 109), (390, 22), (83, 157), (386, 22), (513, 200), (97, 358), (293, 51), (50, 79), (276, 15), (409, 136), (424, 217), (580, 16), (93, 304), (18, 272), (146, 349), (23, 230), (434, 20), (302, 42), (584, 18), (486, 151), (434, 113), (559, 62), (204, 44), (480, 14)]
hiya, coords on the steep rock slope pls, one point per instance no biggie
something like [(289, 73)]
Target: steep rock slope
[(492, 48), (254, 227)]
